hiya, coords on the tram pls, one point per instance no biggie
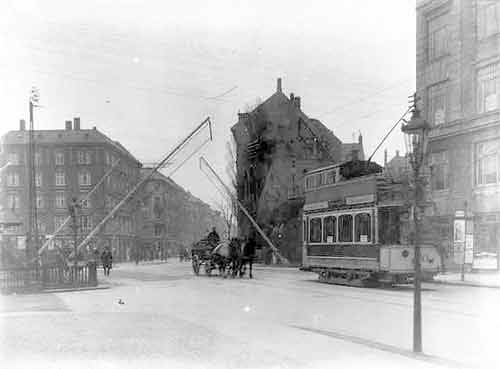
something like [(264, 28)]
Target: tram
[(356, 228)]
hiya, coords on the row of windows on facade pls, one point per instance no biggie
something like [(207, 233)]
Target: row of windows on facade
[(82, 157), (344, 228), (487, 94), (123, 224), (60, 201), (84, 179), (438, 29), (486, 167)]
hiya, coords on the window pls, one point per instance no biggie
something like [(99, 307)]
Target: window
[(438, 36), (330, 177), (13, 158), (330, 229), (88, 157), (310, 182), (39, 201), (13, 179), (439, 170), (60, 179), (437, 103), (85, 202), (158, 230), (304, 234), (108, 158), (38, 158), (13, 201), (362, 226), (488, 19), (38, 179), (84, 178), (487, 163), (60, 200), (389, 226), (41, 227), (85, 223), (488, 88), (345, 228), (58, 221), (59, 158), (81, 157), (315, 230)]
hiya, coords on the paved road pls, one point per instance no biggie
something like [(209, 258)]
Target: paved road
[(282, 318)]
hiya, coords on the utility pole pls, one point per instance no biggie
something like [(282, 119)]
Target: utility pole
[(32, 223), (73, 208)]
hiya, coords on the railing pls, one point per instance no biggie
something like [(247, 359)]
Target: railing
[(47, 277)]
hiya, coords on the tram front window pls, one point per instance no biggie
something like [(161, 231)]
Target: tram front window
[(315, 230)]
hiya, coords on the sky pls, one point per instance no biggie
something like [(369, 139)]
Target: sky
[(147, 72)]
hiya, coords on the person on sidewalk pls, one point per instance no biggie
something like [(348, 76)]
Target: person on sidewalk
[(107, 261)]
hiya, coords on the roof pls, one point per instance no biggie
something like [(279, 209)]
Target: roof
[(64, 136), (160, 176)]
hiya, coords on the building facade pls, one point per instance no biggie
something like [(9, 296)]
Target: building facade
[(458, 81), (171, 219), (276, 143), (68, 163)]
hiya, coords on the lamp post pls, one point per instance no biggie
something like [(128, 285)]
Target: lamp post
[(416, 131)]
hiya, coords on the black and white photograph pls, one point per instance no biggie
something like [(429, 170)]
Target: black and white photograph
[(249, 184)]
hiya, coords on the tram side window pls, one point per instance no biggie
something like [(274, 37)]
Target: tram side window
[(330, 177), (345, 228), (315, 230), (330, 230), (362, 227)]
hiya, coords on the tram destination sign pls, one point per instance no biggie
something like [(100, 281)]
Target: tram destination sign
[(316, 206), (352, 200)]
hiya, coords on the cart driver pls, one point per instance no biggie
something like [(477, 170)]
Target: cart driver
[(213, 237)]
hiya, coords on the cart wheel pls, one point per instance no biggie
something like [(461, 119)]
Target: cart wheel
[(196, 266), (208, 269)]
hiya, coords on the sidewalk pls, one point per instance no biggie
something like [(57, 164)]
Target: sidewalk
[(489, 279)]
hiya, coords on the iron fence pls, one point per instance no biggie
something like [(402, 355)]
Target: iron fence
[(28, 279)]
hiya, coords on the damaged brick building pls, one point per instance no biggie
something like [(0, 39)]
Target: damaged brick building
[(277, 143)]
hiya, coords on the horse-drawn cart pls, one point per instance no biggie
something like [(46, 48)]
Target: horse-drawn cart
[(201, 256), (224, 257)]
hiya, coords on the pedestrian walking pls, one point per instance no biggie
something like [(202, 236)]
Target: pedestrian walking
[(107, 261)]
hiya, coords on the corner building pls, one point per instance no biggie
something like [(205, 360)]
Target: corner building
[(458, 81)]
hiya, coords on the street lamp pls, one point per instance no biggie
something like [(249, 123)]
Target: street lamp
[(416, 131)]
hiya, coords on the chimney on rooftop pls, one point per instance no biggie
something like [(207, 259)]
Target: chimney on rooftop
[(22, 125), (385, 157), (76, 123), (292, 98), (397, 153), (360, 138), (278, 87), (297, 101), (68, 125)]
